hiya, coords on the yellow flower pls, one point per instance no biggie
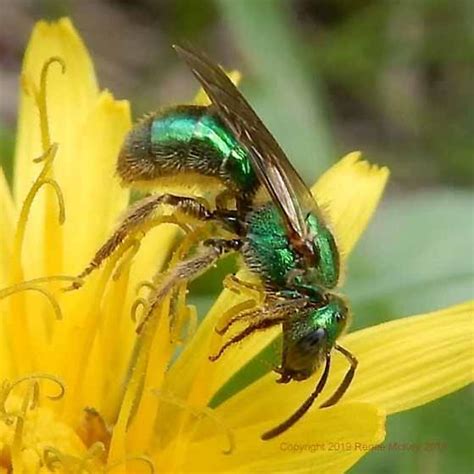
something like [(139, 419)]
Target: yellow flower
[(80, 391)]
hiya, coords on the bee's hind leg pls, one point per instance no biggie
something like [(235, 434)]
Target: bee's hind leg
[(144, 215)]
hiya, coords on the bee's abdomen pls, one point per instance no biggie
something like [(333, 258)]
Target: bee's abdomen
[(185, 139)]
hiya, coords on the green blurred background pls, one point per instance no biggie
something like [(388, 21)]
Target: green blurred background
[(391, 78)]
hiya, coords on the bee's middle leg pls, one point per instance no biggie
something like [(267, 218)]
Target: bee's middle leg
[(184, 271), (254, 294)]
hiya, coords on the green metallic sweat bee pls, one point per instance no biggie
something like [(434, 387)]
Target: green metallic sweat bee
[(261, 209)]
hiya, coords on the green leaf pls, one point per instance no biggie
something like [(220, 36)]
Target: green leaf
[(416, 257)]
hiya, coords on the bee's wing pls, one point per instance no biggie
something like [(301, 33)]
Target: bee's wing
[(286, 188)]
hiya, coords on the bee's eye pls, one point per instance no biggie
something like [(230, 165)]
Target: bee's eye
[(312, 340)]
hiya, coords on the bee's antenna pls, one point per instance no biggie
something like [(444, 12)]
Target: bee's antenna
[(346, 381), (303, 408)]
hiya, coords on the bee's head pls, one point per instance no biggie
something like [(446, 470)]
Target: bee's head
[(309, 336)]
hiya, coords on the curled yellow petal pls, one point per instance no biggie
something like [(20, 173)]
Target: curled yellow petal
[(7, 225), (349, 193)]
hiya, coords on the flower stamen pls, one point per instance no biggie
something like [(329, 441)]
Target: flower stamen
[(42, 179), (188, 320), (54, 304), (18, 325), (88, 463), (145, 284), (178, 312), (40, 98), (190, 239), (7, 387), (60, 197), (130, 409), (49, 152), (20, 423), (139, 302), (30, 402), (30, 285)]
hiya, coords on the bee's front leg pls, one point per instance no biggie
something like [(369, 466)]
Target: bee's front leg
[(259, 325)]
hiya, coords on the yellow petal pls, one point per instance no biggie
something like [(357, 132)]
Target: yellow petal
[(69, 98), (201, 97), (7, 226), (90, 186), (411, 361), (349, 193), (327, 441)]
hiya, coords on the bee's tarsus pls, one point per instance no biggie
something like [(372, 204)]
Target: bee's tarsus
[(75, 285), (214, 357)]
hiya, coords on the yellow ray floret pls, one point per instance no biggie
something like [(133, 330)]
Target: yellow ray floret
[(128, 403)]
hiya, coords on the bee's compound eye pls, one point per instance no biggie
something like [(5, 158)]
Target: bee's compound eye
[(312, 340)]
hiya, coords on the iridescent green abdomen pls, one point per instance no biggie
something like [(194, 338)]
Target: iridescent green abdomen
[(186, 140)]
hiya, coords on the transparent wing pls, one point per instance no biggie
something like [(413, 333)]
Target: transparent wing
[(274, 170)]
